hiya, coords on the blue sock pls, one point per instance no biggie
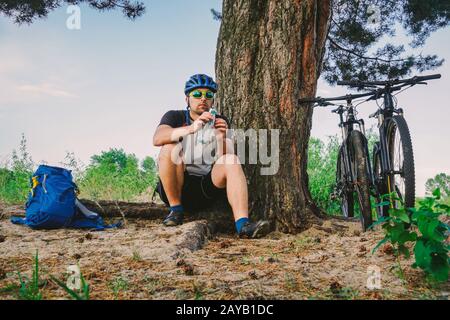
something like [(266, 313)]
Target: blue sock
[(240, 223), (177, 208)]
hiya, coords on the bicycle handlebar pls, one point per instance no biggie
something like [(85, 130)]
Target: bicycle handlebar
[(325, 101), (376, 93), (413, 80)]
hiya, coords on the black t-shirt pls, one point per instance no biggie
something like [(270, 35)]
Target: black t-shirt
[(177, 118), (194, 166)]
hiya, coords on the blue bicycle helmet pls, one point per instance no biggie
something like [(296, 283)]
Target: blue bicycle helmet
[(200, 81)]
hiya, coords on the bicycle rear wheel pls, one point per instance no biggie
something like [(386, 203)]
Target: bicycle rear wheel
[(361, 176), (346, 195), (401, 157), (380, 182)]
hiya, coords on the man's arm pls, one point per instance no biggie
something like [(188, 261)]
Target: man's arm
[(165, 134)]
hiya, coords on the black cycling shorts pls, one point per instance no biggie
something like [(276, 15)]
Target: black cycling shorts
[(198, 192)]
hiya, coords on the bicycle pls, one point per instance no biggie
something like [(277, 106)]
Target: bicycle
[(353, 171), (392, 156)]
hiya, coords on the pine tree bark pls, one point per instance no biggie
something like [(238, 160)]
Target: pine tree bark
[(269, 54)]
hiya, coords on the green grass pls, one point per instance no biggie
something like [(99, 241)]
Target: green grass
[(137, 256), (82, 294), (111, 175), (198, 289), (118, 285), (29, 288)]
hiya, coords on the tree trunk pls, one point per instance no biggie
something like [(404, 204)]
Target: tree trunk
[(219, 216), (269, 55)]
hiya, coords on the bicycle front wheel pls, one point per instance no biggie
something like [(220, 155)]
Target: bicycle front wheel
[(346, 194), (401, 157), (361, 176), (380, 183)]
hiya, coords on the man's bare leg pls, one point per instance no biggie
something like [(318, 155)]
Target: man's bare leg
[(227, 172), (171, 173)]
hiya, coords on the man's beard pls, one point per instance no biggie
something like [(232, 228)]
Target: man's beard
[(200, 109)]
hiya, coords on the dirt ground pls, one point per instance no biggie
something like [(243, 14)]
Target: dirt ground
[(144, 260)]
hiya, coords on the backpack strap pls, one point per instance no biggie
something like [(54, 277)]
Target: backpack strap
[(34, 182), (90, 219), (85, 211), (18, 220), (187, 118), (82, 222)]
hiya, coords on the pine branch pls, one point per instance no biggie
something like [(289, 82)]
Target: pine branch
[(337, 46)]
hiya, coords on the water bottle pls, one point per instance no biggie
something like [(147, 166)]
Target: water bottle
[(206, 134)]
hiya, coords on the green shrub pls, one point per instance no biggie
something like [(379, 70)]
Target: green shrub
[(423, 228), (115, 175), (15, 176), (441, 181), (112, 175), (321, 170), (322, 159)]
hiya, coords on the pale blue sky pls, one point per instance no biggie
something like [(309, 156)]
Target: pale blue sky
[(108, 84)]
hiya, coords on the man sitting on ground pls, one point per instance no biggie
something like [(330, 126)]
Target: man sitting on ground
[(187, 180)]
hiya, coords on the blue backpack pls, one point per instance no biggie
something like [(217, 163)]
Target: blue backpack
[(52, 203)]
